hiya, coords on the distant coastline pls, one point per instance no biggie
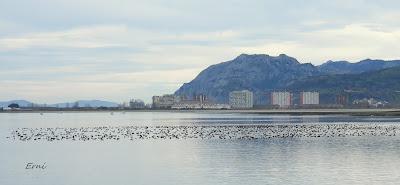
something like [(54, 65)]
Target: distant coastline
[(350, 112)]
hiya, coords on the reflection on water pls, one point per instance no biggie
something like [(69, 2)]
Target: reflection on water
[(11, 120), (275, 161), (352, 160)]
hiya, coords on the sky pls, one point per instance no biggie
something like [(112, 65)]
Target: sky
[(65, 50)]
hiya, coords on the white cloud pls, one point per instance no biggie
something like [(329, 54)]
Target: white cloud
[(175, 77), (121, 49), (352, 42), (89, 37), (108, 36), (111, 86), (173, 59)]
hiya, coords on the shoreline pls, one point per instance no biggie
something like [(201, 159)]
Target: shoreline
[(350, 112)]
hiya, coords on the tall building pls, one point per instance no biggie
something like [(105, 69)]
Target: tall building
[(241, 99), (201, 98), (309, 98), (342, 99), (136, 104), (282, 99)]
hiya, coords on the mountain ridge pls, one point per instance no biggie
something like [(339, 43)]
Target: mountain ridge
[(261, 73), (382, 84), (246, 72), (346, 67)]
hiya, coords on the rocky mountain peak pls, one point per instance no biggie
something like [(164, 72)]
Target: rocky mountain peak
[(261, 73), (282, 58)]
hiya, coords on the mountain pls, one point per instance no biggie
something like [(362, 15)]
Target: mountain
[(263, 73), (21, 103), (382, 84), (86, 103), (345, 67), (258, 73)]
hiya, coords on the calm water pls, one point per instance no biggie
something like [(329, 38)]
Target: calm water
[(350, 160)]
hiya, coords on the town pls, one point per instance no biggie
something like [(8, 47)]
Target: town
[(277, 100), (237, 100)]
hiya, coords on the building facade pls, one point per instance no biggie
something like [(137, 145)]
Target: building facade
[(241, 99), (136, 104), (282, 99), (165, 101), (342, 99), (309, 98), (193, 104)]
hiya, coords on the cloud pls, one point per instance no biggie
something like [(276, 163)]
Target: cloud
[(119, 87), (127, 48), (175, 77), (351, 42), (108, 44), (89, 37), (109, 36)]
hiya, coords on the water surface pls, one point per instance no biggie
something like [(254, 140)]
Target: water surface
[(348, 160)]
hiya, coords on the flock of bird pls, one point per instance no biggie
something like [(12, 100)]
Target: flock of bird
[(203, 132)]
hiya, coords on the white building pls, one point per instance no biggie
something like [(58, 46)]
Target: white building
[(241, 99), (309, 98), (282, 99)]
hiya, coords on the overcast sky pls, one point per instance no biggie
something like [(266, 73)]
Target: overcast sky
[(63, 50)]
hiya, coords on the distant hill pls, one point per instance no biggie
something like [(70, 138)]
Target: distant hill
[(344, 67), (22, 103), (383, 84), (264, 73), (80, 103), (86, 103)]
